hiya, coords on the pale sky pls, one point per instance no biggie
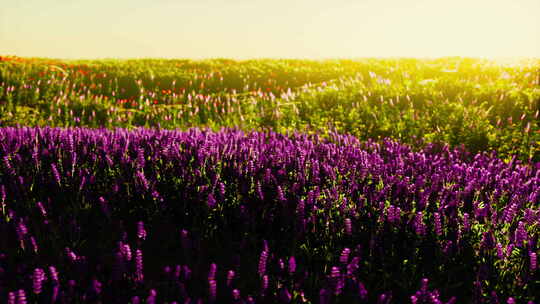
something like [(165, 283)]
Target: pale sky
[(269, 28)]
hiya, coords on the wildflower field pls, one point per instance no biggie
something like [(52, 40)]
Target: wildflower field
[(269, 181)]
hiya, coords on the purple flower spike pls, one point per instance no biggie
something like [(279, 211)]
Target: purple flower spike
[(126, 251), (212, 289), (511, 301), (21, 296), (151, 299), (95, 287), (141, 232), (41, 209), (532, 261), (466, 223), (419, 226), (344, 257), (362, 291), (56, 174), (262, 263), (521, 235), (21, 230), (37, 279), (139, 277), (212, 272), (34, 244), (292, 265), (500, 252), (236, 294), (264, 284), (211, 201), (54, 274), (11, 298), (336, 279), (424, 285), (143, 181), (230, 277)]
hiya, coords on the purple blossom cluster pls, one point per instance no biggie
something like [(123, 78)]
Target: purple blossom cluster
[(161, 216)]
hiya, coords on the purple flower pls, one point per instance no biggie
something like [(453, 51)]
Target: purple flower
[(521, 235), (55, 173), (419, 226), (8, 166), (71, 255), (139, 266), (348, 226), (212, 289), (344, 257), (42, 209), (532, 261), (37, 278), (211, 201), (140, 158), (264, 284), (141, 232), (510, 212), (280, 194), (143, 181), (212, 271), (336, 280), (53, 274), (292, 265), (21, 230), (438, 224), (96, 287), (500, 252), (34, 244), (126, 251), (466, 223), (262, 263), (353, 266), (230, 277), (11, 298), (236, 294), (151, 299), (21, 296)]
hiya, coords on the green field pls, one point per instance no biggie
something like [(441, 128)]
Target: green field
[(479, 104)]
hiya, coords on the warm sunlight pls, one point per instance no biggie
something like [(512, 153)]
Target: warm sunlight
[(278, 28)]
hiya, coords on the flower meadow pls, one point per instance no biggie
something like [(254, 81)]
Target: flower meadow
[(150, 215), (479, 104)]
